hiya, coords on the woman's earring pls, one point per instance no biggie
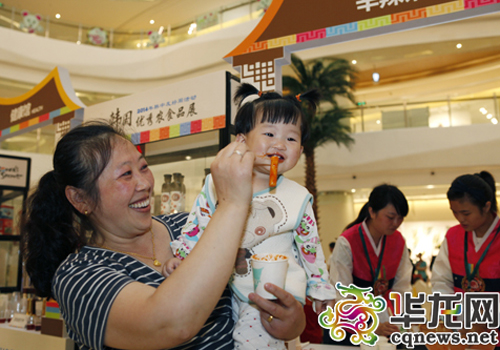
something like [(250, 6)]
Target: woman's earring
[(86, 213)]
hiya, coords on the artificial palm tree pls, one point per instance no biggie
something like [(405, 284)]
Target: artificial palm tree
[(332, 78)]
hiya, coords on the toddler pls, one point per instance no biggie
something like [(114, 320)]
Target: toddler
[(280, 220)]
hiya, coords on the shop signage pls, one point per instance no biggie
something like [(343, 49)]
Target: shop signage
[(294, 25), (50, 102), (14, 171), (179, 109)]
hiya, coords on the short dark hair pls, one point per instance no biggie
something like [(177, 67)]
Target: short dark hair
[(477, 188), (274, 108)]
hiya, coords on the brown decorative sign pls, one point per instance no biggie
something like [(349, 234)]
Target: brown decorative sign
[(51, 101), (292, 25)]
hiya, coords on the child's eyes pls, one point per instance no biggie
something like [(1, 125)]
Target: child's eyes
[(127, 173), (291, 139), (269, 134)]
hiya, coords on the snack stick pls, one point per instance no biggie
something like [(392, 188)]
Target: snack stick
[(273, 173)]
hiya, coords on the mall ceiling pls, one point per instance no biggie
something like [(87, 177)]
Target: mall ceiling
[(396, 59)]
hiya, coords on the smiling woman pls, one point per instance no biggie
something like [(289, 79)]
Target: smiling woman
[(90, 242)]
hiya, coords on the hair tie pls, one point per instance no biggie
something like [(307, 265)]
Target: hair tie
[(298, 97), (250, 98)]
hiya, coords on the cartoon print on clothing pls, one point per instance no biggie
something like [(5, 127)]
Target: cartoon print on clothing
[(263, 220), (306, 225), (308, 250), (192, 232), (182, 251), (242, 261)]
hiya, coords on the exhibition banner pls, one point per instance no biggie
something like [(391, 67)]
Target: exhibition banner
[(183, 108)]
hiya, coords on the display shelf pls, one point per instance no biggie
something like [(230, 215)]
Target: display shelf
[(21, 339)]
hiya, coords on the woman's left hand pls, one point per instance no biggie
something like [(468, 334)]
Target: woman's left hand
[(288, 319)]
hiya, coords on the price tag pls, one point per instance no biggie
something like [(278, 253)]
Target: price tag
[(19, 320)]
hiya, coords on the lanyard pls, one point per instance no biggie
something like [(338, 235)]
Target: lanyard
[(374, 275), (470, 276)]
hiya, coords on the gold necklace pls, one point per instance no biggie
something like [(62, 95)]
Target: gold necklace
[(153, 258)]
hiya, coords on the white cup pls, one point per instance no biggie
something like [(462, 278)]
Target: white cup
[(268, 268)]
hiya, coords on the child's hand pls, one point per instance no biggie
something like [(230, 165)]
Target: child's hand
[(170, 266), (320, 305)]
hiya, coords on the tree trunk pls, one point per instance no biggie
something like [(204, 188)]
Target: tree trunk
[(311, 179)]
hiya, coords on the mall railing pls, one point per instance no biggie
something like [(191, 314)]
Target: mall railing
[(169, 33), (433, 114)]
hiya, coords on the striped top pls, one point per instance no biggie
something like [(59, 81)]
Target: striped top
[(86, 284)]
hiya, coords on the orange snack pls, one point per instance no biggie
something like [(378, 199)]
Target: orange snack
[(273, 173)]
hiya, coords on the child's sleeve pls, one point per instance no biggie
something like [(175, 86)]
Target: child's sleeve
[(196, 222), (312, 257)]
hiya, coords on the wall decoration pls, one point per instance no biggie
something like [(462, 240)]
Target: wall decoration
[(31, 23), (264, 5), (294, 25), (155, 39), (207, 20), (97, 36)]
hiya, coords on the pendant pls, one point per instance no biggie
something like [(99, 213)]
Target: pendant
[(380, 286), (476, 285), (156, 262)]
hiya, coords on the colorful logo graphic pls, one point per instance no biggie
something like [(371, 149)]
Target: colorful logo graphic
[(358, 316)]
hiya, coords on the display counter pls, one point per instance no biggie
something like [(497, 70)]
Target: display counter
[(20, 339)]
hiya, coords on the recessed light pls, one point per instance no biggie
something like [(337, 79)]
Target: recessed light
[(378, 121), (58, 15), (489, 115), (188, 157), (376, 77), (354, 61), (353, 190), (459, 46), (483, 110), (494, 121), (138, 44), (152, 21)]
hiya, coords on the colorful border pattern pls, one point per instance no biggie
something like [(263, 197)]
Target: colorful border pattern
[(184, 129), (36, 120), (430, 11)]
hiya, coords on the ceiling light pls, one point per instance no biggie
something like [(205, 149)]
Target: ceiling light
[(152, 21), (58, 15), (138, 44), (354, 61), (494, 121), (353, 190), (192, 28), (375, 77), (78, 42), (378, 121), (430, 187), (188, 157), (459, 46), (483, 110), (160, 31), (489, 116)]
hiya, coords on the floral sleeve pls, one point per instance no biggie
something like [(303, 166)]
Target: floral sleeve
[(312, 257), (198, 219)]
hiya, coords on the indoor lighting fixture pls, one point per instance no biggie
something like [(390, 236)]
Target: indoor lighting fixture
[(354, 61), (430, 187), (152, 21), (78, 42), (489, 115), (483, 110), (188, 157), (58, 15), (378, 121), (375, 77), (192, 28), (459, 46), (353, 190), (494, 120), (138, 44)]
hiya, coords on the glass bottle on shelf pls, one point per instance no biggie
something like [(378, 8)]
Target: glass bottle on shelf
[(176, 194), (165, 194)]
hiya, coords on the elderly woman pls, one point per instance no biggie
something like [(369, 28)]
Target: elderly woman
[(89, 241)]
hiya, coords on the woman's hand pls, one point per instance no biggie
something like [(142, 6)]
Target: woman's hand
[(386, 329), (232, 174), (289, 319)]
